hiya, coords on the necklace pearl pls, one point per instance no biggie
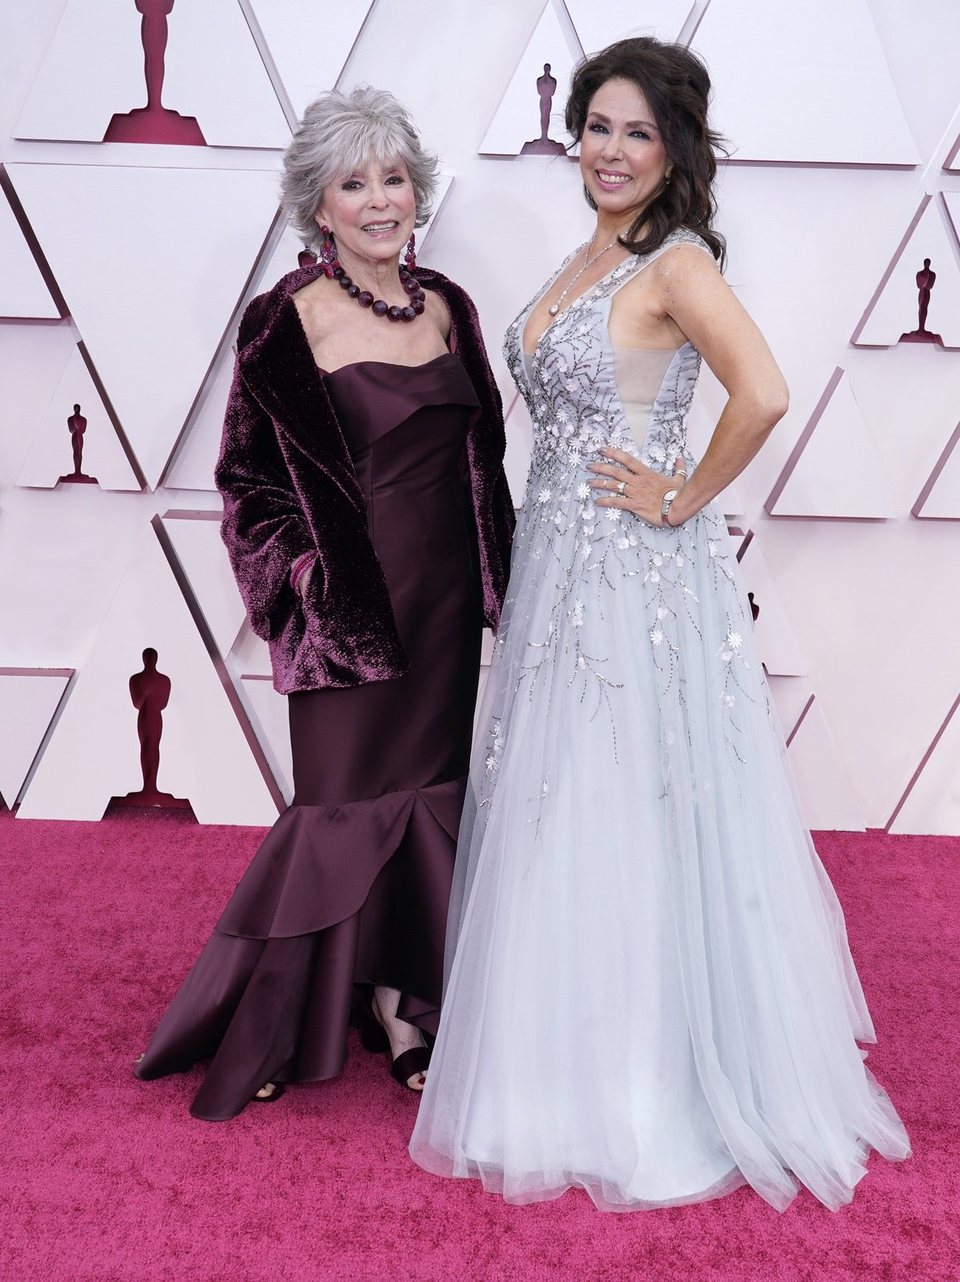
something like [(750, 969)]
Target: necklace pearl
[(378, 306), (554, 308)]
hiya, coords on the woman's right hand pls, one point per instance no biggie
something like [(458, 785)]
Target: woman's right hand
[(300, 573)]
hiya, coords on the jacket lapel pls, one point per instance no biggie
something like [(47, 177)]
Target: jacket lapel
[(277, 363)]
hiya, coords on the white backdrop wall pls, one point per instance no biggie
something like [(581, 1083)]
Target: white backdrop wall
[(124, 265)]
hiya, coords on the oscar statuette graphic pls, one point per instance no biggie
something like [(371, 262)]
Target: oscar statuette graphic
[(77, 425), (926, 279), (154, 122), (150, 694), (544, 145)]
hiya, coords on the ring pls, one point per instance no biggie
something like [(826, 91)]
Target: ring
[(621, 486)]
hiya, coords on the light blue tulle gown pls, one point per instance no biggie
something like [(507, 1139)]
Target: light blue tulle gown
[(650, 994)]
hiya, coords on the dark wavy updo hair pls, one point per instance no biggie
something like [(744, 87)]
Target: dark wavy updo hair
[(676, 85)]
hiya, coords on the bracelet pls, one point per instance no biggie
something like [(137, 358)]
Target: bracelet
[(299, 569), (665, 502)]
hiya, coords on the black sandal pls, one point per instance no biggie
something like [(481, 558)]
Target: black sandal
[(278, 1090), (373, 1037), (410, 1063)]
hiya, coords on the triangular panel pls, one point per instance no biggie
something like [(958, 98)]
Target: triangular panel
[(952, 162), (29, 699), (309, 44), (22, 290), (517, 126), (32, 359), (780, 650), (940, 497), (193, 465), (951, 202), (444, 183), (214, 72), (600, 22), (908, 306), (200, 550), (803, 83), (827, 798), (833, 470), (250, 655), (94, 753), (931, 801), (117, 236), (77, 90), (102, 458), (207, 63), (270, 719), (793, 699)]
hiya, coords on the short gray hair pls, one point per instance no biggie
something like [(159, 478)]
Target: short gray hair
[(341, 132)]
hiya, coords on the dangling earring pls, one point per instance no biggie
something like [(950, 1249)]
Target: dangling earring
[(410, 257), (328, 252)]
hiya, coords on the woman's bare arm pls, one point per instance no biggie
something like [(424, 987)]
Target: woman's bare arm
[(691, 292)]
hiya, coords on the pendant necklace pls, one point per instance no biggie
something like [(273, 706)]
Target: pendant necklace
[(588, 262)]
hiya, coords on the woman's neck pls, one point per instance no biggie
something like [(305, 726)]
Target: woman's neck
[(381, 276), (610, 228)]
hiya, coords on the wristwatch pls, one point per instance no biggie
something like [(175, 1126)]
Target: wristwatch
[(665, 505)]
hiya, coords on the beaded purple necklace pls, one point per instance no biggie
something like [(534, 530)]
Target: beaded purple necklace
[(330, 264)]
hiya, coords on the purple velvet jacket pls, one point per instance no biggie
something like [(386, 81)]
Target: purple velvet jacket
[(289, 487)]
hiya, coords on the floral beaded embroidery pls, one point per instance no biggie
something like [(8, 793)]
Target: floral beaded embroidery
[(494, 746), (575, 409)]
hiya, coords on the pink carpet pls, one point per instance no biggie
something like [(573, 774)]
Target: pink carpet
[(106, 1178)]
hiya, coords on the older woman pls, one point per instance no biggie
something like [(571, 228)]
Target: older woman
[(651, 995), (368, 522)]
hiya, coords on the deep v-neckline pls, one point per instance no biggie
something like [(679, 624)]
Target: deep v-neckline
[(569, 307)]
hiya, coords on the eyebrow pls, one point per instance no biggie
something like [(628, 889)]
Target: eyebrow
[(631, 124)]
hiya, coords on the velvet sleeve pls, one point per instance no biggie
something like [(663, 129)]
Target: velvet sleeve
[(263, 527)]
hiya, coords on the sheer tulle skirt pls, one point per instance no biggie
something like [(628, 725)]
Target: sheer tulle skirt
[(650, 993)]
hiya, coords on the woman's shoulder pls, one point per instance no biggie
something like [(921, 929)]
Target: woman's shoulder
[(683, 239), (682, 250)]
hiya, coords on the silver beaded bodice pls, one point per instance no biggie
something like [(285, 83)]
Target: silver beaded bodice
[(571, 391), (586, 553)]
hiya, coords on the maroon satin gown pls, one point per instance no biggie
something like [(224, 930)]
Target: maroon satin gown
[(351, 884)]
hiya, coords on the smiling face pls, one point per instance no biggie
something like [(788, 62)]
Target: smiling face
[(622, 157), (371, 211)]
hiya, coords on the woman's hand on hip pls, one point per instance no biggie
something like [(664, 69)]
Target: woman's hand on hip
[(624, 482)]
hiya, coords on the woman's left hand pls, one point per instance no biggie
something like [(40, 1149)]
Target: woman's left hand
[(631, 485)]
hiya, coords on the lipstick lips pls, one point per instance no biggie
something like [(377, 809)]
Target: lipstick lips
[(613, 181)]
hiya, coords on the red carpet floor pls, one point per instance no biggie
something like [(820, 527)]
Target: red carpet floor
[(106, 1178)]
